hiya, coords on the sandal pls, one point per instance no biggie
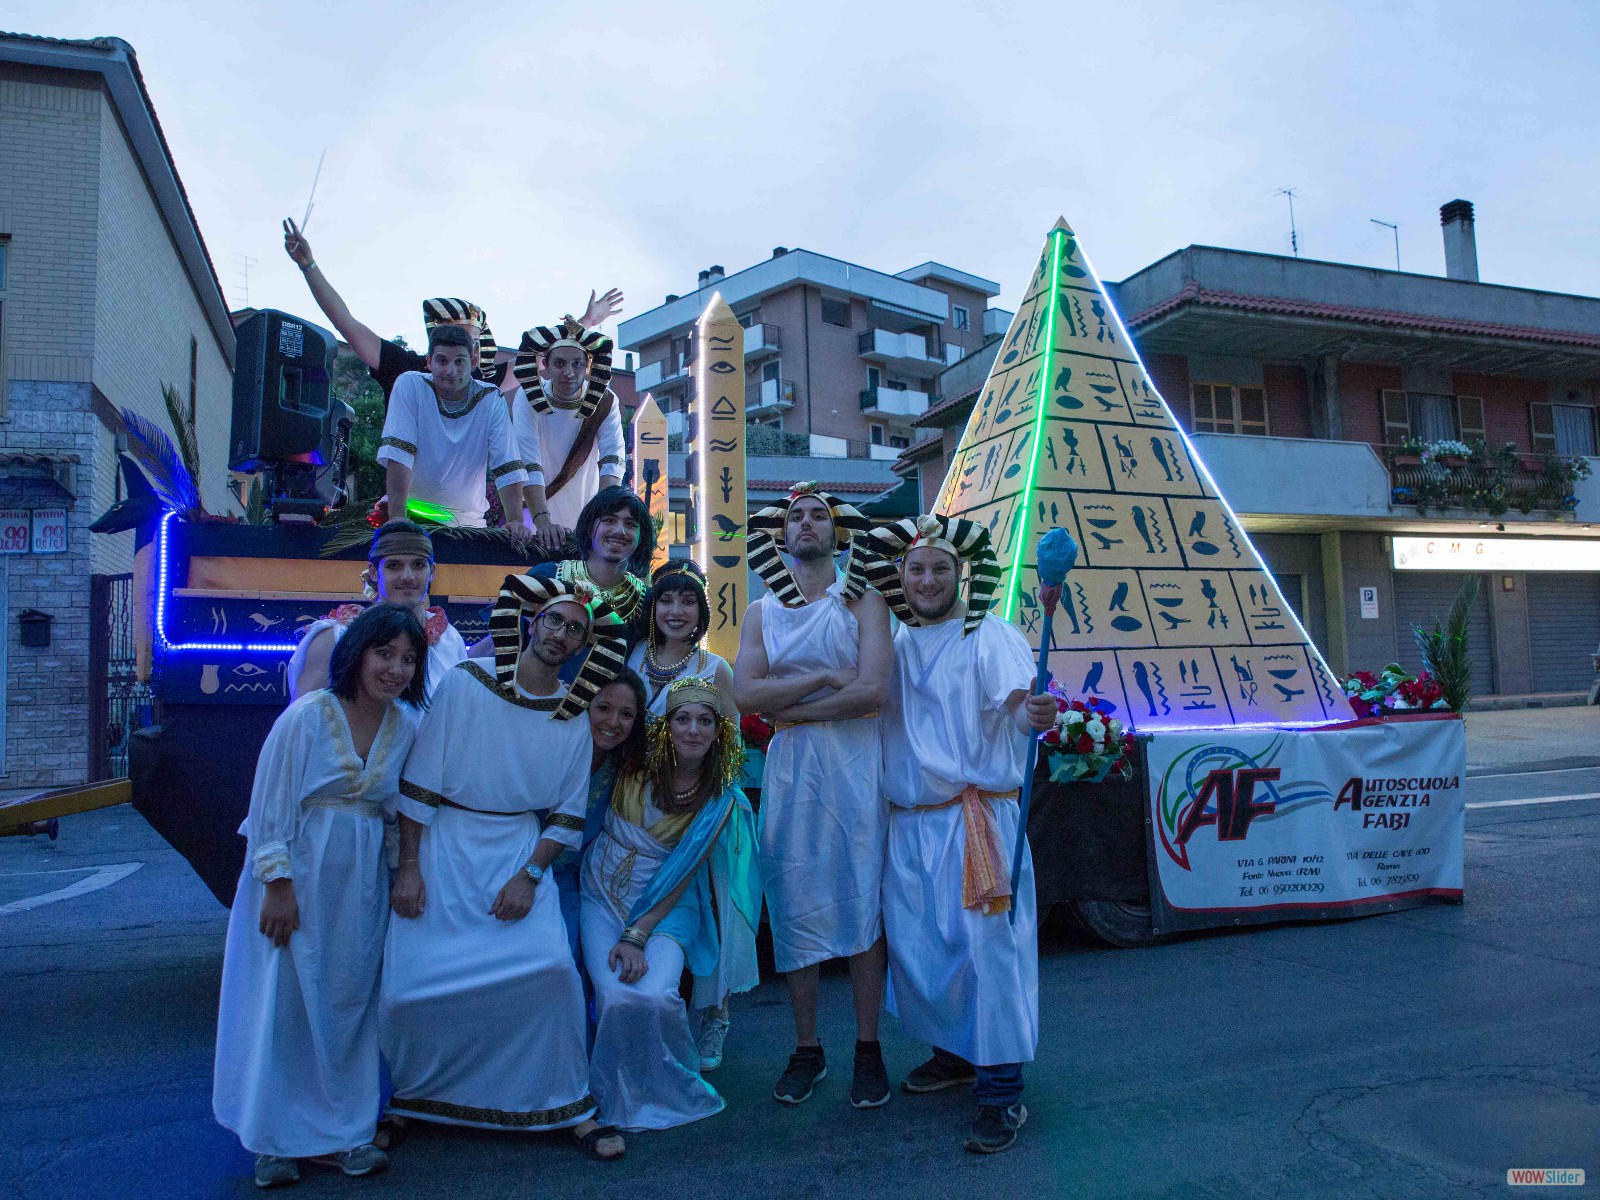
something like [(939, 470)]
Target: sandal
[(589, 1142)]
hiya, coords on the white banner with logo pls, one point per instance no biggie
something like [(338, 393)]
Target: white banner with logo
[(1257, 825)]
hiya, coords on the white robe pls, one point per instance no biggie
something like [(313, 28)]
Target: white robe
[(544, 441), (297, 1027), (960, 980), (450, 454), (823, 822), (644, 1068), (702, 664), (450, 649), (482, 1020)]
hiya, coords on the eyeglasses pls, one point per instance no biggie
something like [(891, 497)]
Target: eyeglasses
[(554, 624)]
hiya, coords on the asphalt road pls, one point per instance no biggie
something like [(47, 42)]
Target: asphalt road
[(1415, 1054)]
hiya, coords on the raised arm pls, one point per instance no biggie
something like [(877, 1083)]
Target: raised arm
[(599, 310), (362, 340), (753, 688), (863, 695)]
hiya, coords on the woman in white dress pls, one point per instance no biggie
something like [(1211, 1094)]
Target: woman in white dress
[(676, 618), (672, 871), (297, 1071)]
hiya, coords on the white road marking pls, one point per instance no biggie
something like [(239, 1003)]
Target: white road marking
[(1541, 771), (1533, 800), (101, 877)]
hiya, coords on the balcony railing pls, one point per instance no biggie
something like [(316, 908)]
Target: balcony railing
[(654, 375), (769, 395), (761, 341), (895, 402), (1522, 483), (908, 350)]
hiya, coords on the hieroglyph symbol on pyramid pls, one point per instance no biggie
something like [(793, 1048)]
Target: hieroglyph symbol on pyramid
[(1170, 613)]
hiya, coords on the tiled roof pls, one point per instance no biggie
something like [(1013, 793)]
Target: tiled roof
[(915, 452), (1192, 293), (948, 403)]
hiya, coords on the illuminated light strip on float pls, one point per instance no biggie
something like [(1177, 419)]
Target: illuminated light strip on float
[(163, 576), (1019, 539)]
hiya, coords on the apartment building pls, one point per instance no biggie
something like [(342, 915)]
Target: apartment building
[(841, 357), (106, 294), (1319, 394)]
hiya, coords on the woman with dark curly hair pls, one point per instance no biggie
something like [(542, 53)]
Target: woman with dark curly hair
[(297, 1026), (675, 620)]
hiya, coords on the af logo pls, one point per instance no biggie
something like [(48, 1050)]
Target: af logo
[(1230, 798), (1224, 786)]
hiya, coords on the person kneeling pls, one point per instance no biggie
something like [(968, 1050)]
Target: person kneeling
[(297, 1072), (674, 863)]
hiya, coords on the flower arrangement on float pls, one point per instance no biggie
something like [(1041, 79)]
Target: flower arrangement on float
[(1393, 690), (755, 731), (1086, 744)]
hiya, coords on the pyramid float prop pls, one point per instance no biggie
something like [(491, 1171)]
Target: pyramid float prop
[(1170, 613)]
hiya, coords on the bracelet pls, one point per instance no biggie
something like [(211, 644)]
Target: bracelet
[(310, 266), (543, 512), (635, 937), (406, 862)]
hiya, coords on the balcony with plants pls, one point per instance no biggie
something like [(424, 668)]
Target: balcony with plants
[(1477, 477)]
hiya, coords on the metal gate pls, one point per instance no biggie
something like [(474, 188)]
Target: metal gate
[(119, 703), (1423, 597), (1563, 629)]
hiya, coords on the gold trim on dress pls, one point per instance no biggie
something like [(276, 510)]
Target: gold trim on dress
[(398, 444), (565, 821), (420, 794), (537, 1119), (506, 468), (544, 704), (472, 401)]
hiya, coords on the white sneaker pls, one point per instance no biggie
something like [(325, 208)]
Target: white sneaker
[(272, 1171), (713, 1033)]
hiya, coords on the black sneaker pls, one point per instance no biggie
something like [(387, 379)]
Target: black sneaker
[(996, 1128), (870, 1087), (940, 1072), (806, 1067)]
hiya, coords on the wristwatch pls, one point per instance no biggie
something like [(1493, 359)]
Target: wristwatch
[(535, 873)]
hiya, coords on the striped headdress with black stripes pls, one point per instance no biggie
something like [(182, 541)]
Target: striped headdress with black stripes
[(447, 310), (540, 340), (769, 528), (531, 595), (967, 540)]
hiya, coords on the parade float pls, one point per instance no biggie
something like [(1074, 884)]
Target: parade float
[(1239, 785)]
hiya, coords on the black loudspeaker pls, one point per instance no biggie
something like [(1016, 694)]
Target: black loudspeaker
[(283, 411)]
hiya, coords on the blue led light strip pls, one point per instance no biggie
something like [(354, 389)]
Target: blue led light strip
[(163, 576)]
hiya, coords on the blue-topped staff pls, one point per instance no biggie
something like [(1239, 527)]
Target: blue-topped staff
[(1058, 553)]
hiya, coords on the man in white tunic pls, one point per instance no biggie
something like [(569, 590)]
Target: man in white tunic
[(399, 571), (573, 447), (814, 656), (443, 431), (963, 976), (481, 1010)]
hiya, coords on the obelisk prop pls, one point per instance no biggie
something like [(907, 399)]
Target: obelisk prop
[(650, 465), (716, 472)]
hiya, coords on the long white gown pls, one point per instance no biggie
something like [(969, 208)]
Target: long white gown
[(448, 453), (482, 1020), (297, 1069), (644, 1069), (450, 649), (823, 822), (702, 664), (959, 979), (544, 441)]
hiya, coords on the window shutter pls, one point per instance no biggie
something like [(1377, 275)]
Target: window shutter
[(1253, 410), (1469, 416), (1542, 423), (1396, 422), (1200, 405)]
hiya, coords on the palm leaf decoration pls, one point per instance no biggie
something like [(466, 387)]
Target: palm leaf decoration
[(1445, 652), (171, 477), (182, 425)]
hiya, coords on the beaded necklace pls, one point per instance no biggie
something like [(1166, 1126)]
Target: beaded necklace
[(624, 597)]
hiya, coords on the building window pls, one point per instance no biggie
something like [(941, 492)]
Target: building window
[(750, 318), (1430, 417), (960, 317), (1224, 408), (772, 371), (899, 442), (1565, 429), (875, 434), (194, 382), (836, 312)]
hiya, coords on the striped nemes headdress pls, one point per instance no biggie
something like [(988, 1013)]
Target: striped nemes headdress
[(965, 541), (446, 310), (769, 527), (530, 595), (540, 340)]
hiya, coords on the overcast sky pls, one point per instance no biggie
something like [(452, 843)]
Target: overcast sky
[(520, 154)]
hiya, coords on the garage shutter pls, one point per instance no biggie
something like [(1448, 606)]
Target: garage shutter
[(1423, 597), (1563, 629)]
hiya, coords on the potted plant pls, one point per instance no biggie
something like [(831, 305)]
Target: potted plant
[(1407, 454), (1448, 452)]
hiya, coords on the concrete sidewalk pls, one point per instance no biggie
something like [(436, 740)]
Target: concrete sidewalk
[(1532, 739)]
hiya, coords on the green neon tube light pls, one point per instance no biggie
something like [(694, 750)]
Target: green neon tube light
[(436, 513)]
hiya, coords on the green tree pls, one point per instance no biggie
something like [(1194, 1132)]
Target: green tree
[(355, 386)]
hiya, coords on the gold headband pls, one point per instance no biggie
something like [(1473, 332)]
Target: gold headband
[(693, 690)]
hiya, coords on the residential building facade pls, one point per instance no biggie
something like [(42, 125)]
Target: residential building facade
[(106, 294), (1324, 399)]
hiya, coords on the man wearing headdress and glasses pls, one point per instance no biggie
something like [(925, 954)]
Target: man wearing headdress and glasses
[(963, 976), (481, 1009), (385, 360), (572, 449), (814, 656)]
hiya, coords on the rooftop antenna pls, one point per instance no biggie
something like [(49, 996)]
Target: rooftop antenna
[(1294, 235), (1395, 229), (245, 263)]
